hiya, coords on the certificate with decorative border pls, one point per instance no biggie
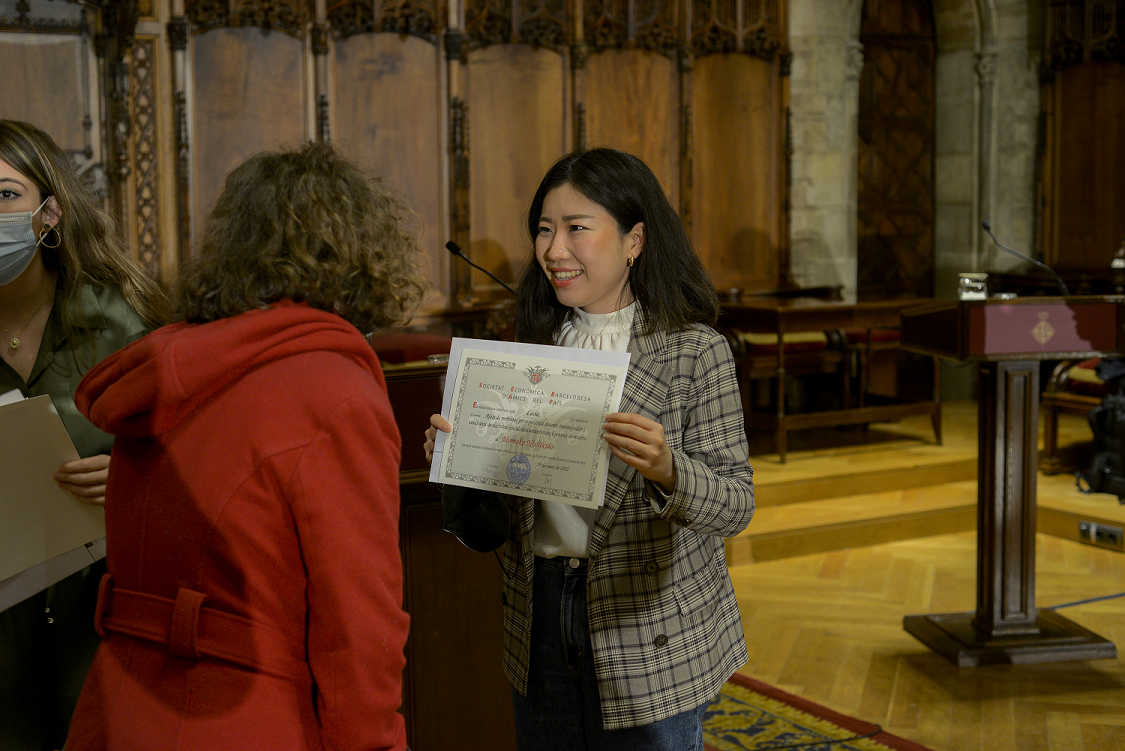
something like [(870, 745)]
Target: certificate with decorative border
[(527, 419)]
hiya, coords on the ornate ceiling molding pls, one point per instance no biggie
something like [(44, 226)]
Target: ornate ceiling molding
[(752, 27), (542, 23)]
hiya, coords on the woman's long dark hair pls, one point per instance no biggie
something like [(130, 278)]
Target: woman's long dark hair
[(667, 279)]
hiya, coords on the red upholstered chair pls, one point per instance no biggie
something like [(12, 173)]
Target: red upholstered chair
[(400, 348), (805, 353), (879, 338), (1073, 388)]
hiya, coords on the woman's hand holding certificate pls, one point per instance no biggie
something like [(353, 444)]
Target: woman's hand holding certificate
[(529, 420), (639, 442)]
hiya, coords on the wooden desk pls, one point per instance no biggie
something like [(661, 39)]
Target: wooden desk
[(455, 693), (787, 315)]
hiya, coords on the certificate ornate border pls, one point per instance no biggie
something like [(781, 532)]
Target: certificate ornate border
[(466, 366)]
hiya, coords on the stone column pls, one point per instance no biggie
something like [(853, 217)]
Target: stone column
[(823, 120), (986, 76), (853, 71)]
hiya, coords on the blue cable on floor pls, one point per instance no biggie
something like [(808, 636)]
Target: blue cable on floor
[(1083, 602)]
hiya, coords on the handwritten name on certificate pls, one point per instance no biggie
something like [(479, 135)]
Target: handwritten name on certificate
[(527, 419)]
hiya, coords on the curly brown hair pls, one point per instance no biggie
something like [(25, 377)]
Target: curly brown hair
[(307, 225)]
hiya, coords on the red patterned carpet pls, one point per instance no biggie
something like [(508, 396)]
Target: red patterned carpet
[(752, 716)]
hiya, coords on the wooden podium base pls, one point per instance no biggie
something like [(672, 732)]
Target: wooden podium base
[(1008, 339), (953, 636)]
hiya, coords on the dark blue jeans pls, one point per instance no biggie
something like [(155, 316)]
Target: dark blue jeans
[(562, 710)]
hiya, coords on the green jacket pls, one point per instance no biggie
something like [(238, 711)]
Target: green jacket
[(107, 323), (42, 666)]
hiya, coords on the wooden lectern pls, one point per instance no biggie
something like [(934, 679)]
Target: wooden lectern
[(1008, 338), (455, 694)]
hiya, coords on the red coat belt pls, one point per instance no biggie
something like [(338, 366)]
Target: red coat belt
[(190, 630)]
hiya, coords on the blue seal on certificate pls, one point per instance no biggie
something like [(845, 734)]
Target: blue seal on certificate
[(519, 469)]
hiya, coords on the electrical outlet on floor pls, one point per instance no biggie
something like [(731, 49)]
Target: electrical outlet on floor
[(1103, 535)]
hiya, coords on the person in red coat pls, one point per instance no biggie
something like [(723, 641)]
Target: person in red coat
[(254, 589)]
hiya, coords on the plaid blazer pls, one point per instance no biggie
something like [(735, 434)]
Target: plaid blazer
[(662, 612)]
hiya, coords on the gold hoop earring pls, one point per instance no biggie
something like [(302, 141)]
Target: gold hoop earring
[(630, 261), (43, 236)]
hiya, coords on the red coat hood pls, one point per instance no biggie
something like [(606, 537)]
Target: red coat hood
[(150, 386)]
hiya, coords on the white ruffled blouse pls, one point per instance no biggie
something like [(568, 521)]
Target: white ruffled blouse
[(562, 529)]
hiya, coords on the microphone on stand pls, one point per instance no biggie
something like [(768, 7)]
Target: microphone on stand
[(455, 249), (1062, 285)]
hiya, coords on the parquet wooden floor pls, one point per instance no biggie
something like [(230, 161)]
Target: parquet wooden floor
[(827, 625), (892, 482)]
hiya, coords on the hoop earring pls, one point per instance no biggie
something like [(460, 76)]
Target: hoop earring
[(43, 236), (631, 261)]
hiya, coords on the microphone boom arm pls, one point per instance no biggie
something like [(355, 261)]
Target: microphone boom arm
[(455, 249), (1062, 285)]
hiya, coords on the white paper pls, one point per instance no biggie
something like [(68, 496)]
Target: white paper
[(527, 419), (18, 588), (39, 521)]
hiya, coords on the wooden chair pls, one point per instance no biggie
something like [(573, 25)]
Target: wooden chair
[(866, 346), (807, 353), (1073, 388)]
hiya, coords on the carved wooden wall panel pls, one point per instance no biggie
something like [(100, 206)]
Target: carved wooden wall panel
[(460, 106), (517, 129), (1088, 191), (896, 150), (287, 16), (736, 173), (400, 142), (66, 70), (146, 157), (637, 112), (1083, 180), (542, 23), (248, 97), (422, 18), (42, 83), (1084, 31)]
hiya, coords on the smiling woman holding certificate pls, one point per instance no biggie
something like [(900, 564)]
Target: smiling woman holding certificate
[(635, 625)]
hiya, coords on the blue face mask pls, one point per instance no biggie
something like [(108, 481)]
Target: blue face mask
[(17, 243)]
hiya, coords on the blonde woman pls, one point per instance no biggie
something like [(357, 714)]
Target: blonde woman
[(70, 294)]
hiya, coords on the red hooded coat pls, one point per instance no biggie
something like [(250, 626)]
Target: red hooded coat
[(251, 519)]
